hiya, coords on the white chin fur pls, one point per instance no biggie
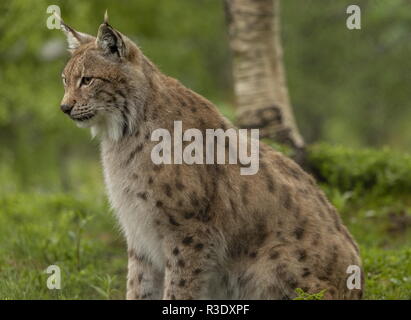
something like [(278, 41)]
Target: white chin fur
[(84, 124), (108, 128)]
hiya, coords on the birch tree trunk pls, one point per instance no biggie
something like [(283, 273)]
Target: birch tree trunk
[(259, 79)]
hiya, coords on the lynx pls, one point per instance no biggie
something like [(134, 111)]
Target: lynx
[(200, 231)]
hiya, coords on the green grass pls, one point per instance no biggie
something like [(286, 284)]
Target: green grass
[(372, 191), (383, 230), (76, 230)]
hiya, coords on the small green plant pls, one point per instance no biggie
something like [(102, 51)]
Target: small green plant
[(302, 295), (106, 290)]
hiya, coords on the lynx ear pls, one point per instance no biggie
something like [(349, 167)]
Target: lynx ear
[(110, 40), (74, 38)]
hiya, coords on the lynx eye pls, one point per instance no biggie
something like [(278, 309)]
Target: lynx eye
[(64, 80), (85, 81)]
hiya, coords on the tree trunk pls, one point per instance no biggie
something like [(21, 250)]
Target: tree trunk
[(259, 79)]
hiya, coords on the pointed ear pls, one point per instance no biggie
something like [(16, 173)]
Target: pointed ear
[(111, 41), (74, 38)]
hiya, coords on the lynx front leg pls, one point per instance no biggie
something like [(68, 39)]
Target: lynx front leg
[(143, 280), (188, 267)]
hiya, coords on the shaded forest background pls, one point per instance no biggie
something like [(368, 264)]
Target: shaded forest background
[(350, 91)]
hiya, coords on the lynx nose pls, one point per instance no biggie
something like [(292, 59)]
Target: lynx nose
[(66, 108)]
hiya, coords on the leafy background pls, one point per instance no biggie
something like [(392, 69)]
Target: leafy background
[(350, 92)]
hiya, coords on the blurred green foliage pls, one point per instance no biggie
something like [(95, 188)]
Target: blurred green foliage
[(364, 171), (349, 88)]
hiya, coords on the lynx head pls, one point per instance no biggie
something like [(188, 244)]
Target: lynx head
[(105, 81)]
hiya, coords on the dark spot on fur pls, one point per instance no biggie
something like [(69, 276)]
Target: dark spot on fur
[(167, 190), (274, 255), (179, 185), (197, 271), (203, 214), (292, 283), (173, 221), (140, 258), (188, 215), (182, 102), (299, 232), (158, 167), (199, 246), (182, 283), (287, 200), (159, 204), (306, 272), (140, 277), (281, 270), (131, 157), (316, 239), (142, 195), (253, 254), (181, 263), (270, 186), (194, 201), (329, 268), (176, 251), (187, 240), (297, 211), (302, 254), (154, 116)]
